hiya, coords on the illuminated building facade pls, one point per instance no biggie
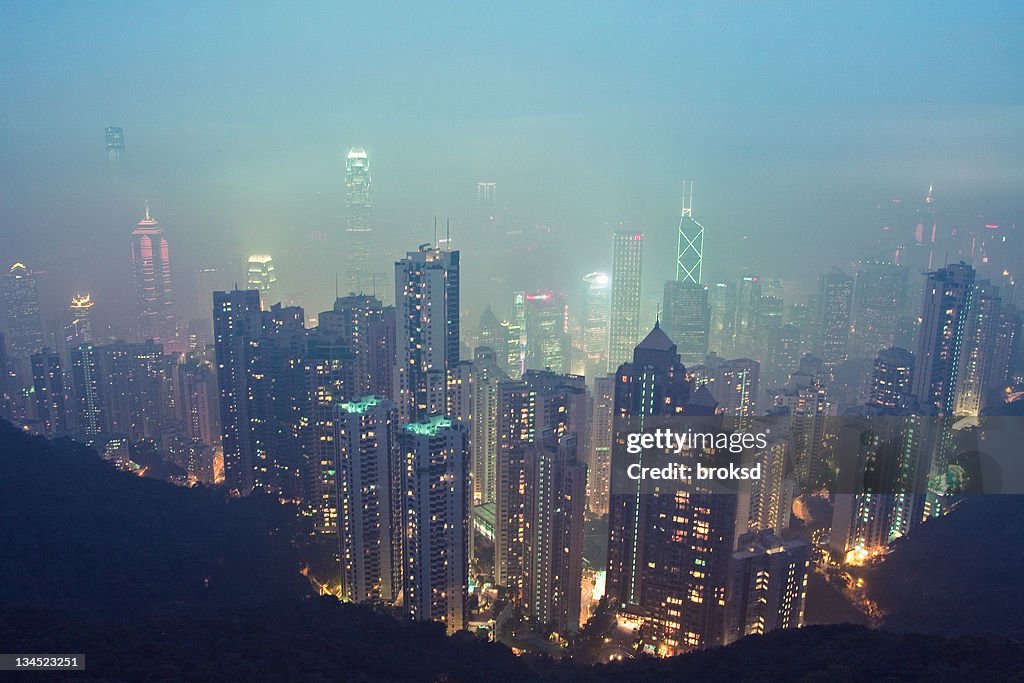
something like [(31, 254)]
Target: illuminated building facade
[(152, 263), (48, 385), (596, 321), (547, 332), (368, 500), (427, 330), (359, 219), (624, 324), (686, 319), (24, 327), (80, 328), (435, 520), (768, 585), (261, 277), (835, 297), (115, 146), (947, 301)]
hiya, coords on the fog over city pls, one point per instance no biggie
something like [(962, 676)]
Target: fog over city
[(798, 125)]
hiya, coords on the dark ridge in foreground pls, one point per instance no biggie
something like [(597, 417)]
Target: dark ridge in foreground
[(960, 574), (155, 582)]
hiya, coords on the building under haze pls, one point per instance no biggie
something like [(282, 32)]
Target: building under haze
[(624, 324), (596, 321), (80, 326), (435, 521), (260, 276), (151, 259), (358, 220), (115, 146), (21, 299), (547, 332), (427, 330), (947, 301)]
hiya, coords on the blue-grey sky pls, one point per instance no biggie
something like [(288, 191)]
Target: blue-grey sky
[(794, 119)]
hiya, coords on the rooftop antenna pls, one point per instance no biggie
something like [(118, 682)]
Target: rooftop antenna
[(336, 294), (147, 211), (448, 232), (435, 232), (373, 283)]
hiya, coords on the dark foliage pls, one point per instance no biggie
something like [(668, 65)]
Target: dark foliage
[(115, 567)]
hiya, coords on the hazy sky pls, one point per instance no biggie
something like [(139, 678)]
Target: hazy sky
[(794, 119)]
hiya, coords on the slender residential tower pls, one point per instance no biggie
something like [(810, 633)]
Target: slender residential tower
[(152, 262)]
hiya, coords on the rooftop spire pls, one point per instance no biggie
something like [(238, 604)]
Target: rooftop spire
[(147, 211)]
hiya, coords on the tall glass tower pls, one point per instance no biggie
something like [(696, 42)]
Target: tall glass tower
[(689, 242), (624, 325), (359, 222), (152, 263)]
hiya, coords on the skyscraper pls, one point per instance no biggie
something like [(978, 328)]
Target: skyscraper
[(435, 521), (835, 294), (541, 402), (115, 146), (555, 485), (689, 243), (80, 328), (978, 351), (601, 434), (369, 530), (879, 300), (86, 401), (24, 328), (627, 261), (669, 551), (236, 327), (947, 301), (547, 332), (151, 260), (596, 322), (261, 277), (686, 319), (359, 219), (427, 330)]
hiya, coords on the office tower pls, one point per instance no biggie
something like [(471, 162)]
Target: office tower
[(517, 336), (835, 294), (24, 327), (151, 261), (497, 336), (427, 330), (596, 321), (892, 380), (601, 433), (879, 301), (1007, 342), (624, 325), (86, 403), (686, 319), (768, 585), (947, 301), (744, 328), (369, 531), (359, 219), (733, 383), (540, 402), (553, 542), (48, 384), (978, 349), (435, 520), (260, 276), (547, 332), (236, 328), (668, 550), (689, 243), (722, 301), (80, 326)]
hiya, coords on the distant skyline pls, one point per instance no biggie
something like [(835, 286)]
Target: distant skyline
[(794, 121)]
